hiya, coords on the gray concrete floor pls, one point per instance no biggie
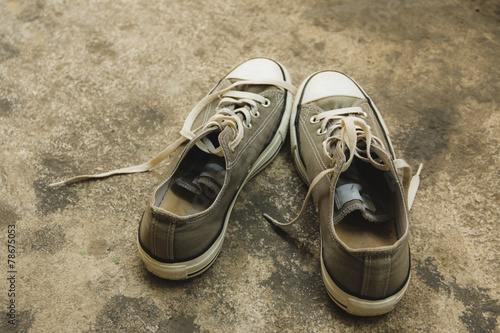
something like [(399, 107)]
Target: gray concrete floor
[(88, 86)]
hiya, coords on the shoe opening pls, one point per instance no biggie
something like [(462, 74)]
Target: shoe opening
[(195, 185), (368, 210)]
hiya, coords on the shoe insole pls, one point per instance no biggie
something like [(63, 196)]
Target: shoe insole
[(179, 201), (357, 233)]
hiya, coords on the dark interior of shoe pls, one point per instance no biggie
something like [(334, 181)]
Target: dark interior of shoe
[(355, 230), (195, 185)]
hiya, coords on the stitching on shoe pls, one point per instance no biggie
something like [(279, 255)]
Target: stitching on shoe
[(223, 84), (366, 274), (331, 227), (376, 130), (264, 124), (387, 271), (170, 241), (309, 138), (167, 245), (152, 236), (207, 109), (267, 120)]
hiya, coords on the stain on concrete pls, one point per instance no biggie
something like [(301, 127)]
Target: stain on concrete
[(131, 119), (8, 101), (7, 51), (181, 323), (370, 17), (49, 239), (320, 46), (149, 118), (127, 27), (481, 311), (54, 165), (101, 48), (489, 9), (5, 106), (199, 52), (290, 276), (98, 248), (7, 215), (30, 10), (51, 200), (428, 137), (23, 321), (295, 265), (129, 314)]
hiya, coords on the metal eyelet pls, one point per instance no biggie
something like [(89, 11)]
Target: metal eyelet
[(314, 120), (267, 103), (320, 132), (256, 114), (249, 126)]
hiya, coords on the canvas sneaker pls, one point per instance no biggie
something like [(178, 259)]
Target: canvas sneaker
[(341, 148), (230, 135)]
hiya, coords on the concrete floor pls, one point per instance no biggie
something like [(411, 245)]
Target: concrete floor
[(88, 86)]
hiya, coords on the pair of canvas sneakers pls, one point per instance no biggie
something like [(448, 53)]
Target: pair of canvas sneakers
[(341, 148)]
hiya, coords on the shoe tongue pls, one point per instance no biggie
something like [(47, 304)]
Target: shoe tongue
[(352, 197), (338, 102), (210, 180), (213, 137), (252, 88)]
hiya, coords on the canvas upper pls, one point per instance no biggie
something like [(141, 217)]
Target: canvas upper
[(233, 133), (341, 148)]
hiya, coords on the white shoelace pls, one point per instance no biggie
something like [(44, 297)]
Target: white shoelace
[(347, 130), (226, 116)]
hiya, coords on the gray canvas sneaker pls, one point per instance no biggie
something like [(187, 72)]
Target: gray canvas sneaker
[(341, 148), (230, 135)]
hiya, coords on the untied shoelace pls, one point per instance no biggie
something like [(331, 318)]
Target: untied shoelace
[(226, 116), (344, 128)]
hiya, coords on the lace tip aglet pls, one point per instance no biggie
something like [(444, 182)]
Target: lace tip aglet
[(58, 184), (270, 219), (419, 169)]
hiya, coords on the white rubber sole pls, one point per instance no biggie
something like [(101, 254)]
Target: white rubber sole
[(191, 268), (358, 306)]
